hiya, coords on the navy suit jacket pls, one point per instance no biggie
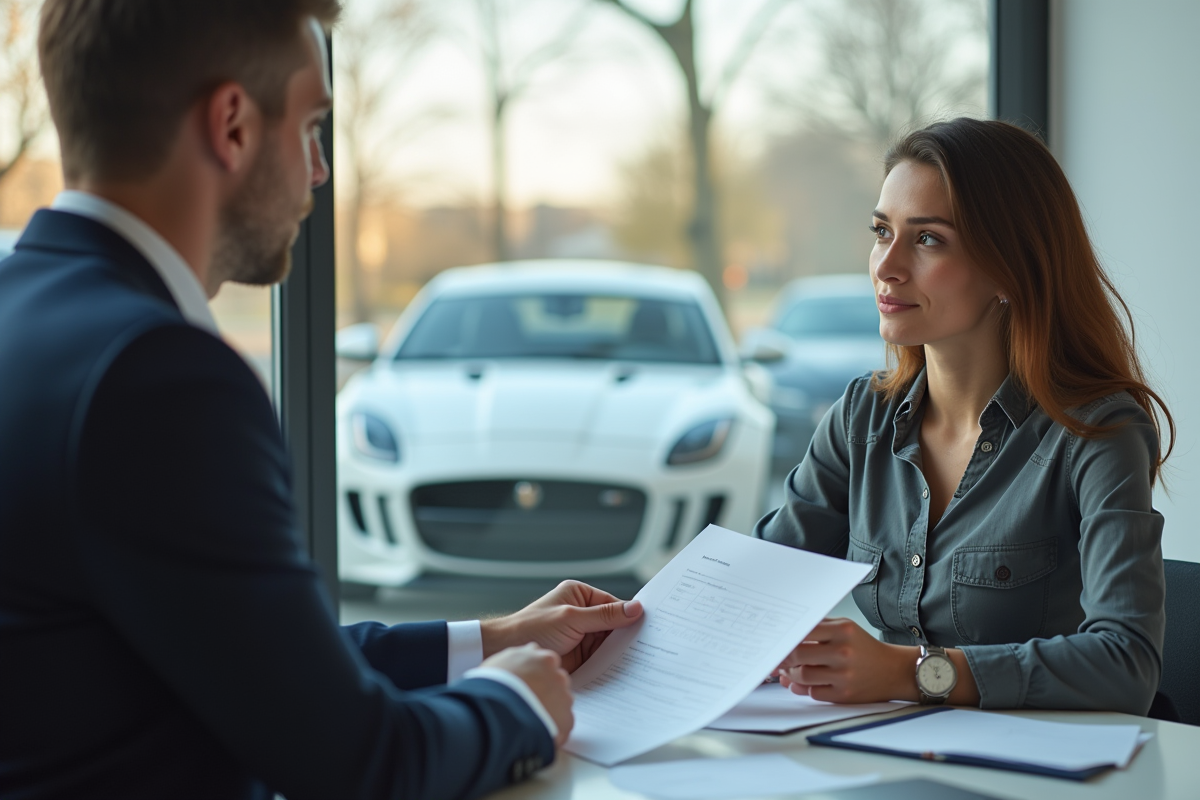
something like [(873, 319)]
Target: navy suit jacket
[(161, 632)]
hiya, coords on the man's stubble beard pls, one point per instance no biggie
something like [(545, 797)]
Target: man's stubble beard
[(259, 225)]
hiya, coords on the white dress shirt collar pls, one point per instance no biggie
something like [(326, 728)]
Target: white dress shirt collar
[(182, 283)]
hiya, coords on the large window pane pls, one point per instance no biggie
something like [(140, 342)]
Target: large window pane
[(243, 314), (489, 131)]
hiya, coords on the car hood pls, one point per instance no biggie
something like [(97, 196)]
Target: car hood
[(829, 362), (555, 401)]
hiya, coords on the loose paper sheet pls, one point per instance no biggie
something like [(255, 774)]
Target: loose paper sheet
[(1061, 745), (719, 617), (720, 778), (773, 709)]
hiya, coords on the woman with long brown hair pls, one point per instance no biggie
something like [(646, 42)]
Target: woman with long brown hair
[(998, 478)]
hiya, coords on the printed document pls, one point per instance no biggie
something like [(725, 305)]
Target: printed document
[(718, 618)]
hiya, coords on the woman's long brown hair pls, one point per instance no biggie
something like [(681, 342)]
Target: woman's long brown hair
[(1021, 226)]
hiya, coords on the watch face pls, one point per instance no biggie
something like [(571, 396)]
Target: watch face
[(936, 675)]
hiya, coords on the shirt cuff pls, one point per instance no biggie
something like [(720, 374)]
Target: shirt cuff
[(998, 674), (521, 688), (464, 645)]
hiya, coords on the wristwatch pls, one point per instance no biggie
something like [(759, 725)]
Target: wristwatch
[(936, 675)]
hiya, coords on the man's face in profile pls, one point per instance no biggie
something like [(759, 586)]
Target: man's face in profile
[(261, 222)]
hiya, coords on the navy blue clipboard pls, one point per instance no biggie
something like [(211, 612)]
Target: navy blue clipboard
[(830, 739)]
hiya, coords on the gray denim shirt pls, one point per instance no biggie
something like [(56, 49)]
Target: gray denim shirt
[(1046, 567)]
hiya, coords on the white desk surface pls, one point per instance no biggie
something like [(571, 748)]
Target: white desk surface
[(1166, 768)]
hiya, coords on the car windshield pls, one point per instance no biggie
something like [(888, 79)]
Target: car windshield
[(562, 326), (851, 315)]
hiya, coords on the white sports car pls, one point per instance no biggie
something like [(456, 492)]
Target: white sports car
[(546, 419)]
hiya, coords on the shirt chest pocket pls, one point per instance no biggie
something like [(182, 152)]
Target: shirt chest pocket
[(866, 593), (1000, 592)]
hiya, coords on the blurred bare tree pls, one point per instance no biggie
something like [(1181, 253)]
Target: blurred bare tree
[(825, 185), (510, 71), (887, 65), (23, 114), (652, 207), (882, 67), (655, 202), (376, 46), (703, 229)]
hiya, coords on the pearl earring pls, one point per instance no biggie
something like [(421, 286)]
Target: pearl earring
[(1004, 300)]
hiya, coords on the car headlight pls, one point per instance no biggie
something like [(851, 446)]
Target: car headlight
[(373, 438), (702, 442)]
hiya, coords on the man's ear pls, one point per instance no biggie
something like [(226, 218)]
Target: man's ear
[(233, 124)]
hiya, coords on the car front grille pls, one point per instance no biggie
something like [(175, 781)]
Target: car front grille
[(528, 520)]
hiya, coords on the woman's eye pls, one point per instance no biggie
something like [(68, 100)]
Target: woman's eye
[(879, 231), (928, 239)]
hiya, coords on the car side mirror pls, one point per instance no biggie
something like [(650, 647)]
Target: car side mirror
[(357, 342), (759, 381), (764, 346)]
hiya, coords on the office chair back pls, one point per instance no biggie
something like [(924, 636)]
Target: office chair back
[(1181, 650)]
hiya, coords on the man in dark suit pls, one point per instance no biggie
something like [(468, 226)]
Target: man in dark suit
[(161, 633)]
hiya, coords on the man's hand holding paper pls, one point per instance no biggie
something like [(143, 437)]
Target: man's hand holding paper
[(725, 612), (573, 620)]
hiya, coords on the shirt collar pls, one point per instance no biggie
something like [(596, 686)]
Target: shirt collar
[(1010, 398), (185, 288), (912, 400), (1016, 404)]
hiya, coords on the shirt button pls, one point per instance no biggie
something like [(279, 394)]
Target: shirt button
[(986, 447), (916, 560), (1003, 573), (925, 493), (915, 631)]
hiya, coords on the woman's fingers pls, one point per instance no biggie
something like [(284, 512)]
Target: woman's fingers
[(830, 694), (789, 662), (813, 675), (827, 631), (826, 654)]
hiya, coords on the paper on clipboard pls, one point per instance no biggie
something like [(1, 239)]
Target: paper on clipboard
[(1001, 741), (718, 618)]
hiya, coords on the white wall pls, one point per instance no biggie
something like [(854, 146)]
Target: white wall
[(1125, 124)]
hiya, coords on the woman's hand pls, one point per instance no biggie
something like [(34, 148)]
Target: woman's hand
[(839, 662)]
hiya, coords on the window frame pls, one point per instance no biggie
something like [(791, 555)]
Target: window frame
[(1019, 83), (303, 323)]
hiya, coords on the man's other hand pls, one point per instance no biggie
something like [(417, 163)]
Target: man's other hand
[(572, 620), (542, 672)]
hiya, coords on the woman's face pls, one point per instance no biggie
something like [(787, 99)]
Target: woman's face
[(927, 289)]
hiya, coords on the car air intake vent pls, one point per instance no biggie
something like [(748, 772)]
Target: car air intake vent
[(676, 524), (386, 517), (356, 511), (712, 515), (528, 519)]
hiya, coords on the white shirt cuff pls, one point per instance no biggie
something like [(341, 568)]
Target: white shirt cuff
[(465, 648), (521, 688)]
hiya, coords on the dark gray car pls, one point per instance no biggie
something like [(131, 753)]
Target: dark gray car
[(823, 334)]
